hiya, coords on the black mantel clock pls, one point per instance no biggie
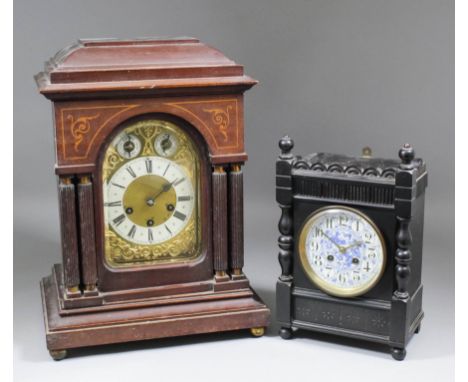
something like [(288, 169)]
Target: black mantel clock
[(351, 245)]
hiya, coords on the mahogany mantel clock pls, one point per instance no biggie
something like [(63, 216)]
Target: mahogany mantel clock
[(351, 245), (149, 148)]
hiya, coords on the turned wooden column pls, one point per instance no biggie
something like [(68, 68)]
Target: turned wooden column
[(405, 197), (236, 220), (87, 235), (220, 222), (285, 242), (69, 236), (405, 185), (284, 199)]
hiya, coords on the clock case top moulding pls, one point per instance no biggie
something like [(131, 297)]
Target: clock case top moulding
[(96, 86)]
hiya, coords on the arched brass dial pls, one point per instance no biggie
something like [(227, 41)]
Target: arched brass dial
[(151, 183)]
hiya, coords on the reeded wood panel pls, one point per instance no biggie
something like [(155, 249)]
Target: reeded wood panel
[(236, 213), (358, 192), (220, 222), (69, 234), (87, 237)]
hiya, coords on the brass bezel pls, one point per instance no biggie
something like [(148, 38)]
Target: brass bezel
[(316, 279)]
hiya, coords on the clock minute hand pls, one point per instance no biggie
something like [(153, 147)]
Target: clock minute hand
[(164, 188), (340, 248), (356, 244)]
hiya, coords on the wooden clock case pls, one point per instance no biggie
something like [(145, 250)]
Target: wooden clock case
[(391, 194), (97, 87)]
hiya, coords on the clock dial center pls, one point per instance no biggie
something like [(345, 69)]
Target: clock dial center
[(147, 197), (129, 146)]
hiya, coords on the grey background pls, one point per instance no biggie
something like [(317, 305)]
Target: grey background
[(336, 76)]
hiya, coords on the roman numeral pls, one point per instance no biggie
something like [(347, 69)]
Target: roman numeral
[(118, 185), (132, 231), (119, 219), (130, 171), (180, 215), (113, 204), (149, 166), (168, 230), (150, 235), (329, 223), (178, 182), (183, 198)]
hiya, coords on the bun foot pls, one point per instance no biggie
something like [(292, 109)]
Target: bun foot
[(286, 333), (58, 355), (257, 332), (399, 354)]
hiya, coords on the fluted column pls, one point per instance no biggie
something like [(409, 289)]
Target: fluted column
[(87, 234), (220, 222), (69, 236), (236, 219)]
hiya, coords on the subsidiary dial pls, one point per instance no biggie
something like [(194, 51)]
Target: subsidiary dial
[(128, 145), (166, 144)]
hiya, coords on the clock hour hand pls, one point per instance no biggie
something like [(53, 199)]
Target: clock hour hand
[(340, 248)]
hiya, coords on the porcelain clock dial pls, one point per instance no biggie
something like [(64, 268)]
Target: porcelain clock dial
[(342, 251)]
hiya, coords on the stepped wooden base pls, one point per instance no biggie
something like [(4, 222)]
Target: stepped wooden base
[(223, 311)]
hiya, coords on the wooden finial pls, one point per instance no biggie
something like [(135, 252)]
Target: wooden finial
[(286, 144), (406, 155)]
